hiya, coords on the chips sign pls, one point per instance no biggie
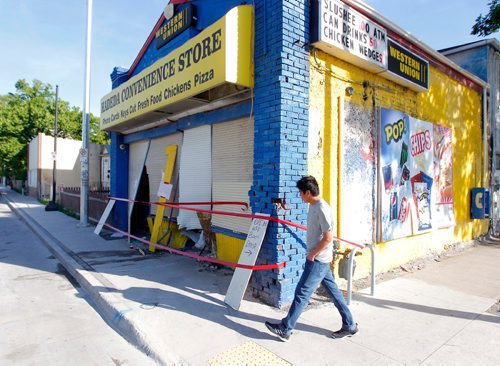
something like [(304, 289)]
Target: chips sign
[(349, 35)]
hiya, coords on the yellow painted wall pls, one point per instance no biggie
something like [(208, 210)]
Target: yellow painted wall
[(168, 234), (448, 102), (229, 248)]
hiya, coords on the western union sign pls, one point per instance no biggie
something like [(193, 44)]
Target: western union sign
[(408, 67), (219, 54), (174, 26)]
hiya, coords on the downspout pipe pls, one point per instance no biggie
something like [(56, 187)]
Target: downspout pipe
[(493, 70), (485, 135)]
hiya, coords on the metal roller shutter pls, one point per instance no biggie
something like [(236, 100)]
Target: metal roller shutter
[(137, 156), (232, 170), (195, 180), (155, 164)]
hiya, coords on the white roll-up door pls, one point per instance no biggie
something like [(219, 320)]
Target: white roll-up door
[(232, 170), (137, 156), (195, 176), (155, 164)]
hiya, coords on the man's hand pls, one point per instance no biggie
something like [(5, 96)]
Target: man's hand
[(311, 256), (327, 239)]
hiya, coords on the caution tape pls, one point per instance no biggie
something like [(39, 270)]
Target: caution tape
[(179, 205), (199, 257), (238, 203)]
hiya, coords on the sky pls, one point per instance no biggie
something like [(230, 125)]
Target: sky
[(45, 39)]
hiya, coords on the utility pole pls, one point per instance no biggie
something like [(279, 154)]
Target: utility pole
[(52, 205), (84, 151)]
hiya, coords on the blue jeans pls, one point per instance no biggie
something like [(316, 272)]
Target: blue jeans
[(314, 274)]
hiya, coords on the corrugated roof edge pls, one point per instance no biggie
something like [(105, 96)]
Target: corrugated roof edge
[(493, 42)]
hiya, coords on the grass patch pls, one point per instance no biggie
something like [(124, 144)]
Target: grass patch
[(66, 211), (70, 213)]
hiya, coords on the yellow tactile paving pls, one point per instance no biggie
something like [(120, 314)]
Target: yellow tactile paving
[(249, 353)]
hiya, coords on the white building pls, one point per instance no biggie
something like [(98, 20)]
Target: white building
[(41, 163)]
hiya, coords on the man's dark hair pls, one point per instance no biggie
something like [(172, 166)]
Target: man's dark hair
[(308, 183)]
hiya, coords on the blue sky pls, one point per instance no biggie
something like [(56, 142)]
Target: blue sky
[(45, 39), (437, 23)]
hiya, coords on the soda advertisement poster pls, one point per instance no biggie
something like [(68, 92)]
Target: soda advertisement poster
[(416, 176), (442, 213), (421, 173), (396, 195)]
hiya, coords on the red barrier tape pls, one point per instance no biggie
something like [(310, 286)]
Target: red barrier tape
[(239, 203), (250, 216), (206, 259), (269, 218)]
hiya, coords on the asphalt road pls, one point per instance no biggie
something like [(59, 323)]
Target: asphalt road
[(45, 318)]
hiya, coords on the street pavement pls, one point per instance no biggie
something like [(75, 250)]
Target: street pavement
[(172, 307), (44, 317)]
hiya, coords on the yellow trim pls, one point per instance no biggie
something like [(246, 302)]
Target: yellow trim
[(244, 45), (340, 118)]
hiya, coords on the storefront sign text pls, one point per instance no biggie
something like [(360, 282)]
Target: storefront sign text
[(200, 64), (407, 65), (349, 35), (174, 26)]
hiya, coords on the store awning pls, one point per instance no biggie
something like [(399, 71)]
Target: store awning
[(211, 69)]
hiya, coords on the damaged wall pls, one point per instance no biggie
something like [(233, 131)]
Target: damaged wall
[(357, 173)]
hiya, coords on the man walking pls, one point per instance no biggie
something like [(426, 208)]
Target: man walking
[(317, 268)]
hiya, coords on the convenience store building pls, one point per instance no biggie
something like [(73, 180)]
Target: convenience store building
[(256, 95)]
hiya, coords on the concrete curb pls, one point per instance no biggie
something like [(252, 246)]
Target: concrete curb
[(111, 308)]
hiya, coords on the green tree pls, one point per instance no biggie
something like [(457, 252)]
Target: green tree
[(11, 149), (30, 110), (96, 135), (486, 25)]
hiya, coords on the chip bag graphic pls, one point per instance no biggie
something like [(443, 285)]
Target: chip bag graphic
[(421, 187)]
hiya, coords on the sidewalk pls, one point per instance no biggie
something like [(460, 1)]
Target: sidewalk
[(173, 307)]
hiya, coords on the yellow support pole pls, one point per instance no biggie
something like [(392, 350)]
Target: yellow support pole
[(171, 152), (340, 147)]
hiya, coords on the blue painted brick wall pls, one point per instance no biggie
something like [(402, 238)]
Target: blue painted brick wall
[(208, 12), (281, 99), (280, 143), (119, 179)]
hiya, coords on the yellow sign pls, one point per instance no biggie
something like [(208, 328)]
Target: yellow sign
[(221, 53)]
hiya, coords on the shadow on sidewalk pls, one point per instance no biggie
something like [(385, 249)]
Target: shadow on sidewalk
[(388, 304), (190, 289), (490, 241), (208, 308)]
